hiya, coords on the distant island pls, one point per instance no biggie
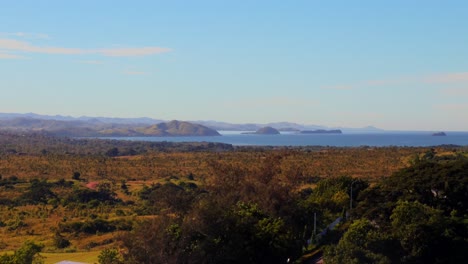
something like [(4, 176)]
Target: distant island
[(321, 131), (172, 128), (439, 134), (264, 131)]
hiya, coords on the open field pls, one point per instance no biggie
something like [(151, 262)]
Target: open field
[(85, 257)]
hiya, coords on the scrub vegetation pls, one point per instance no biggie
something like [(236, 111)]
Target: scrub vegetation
[(147, 202)]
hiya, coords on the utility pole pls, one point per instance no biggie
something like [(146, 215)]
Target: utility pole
[(313, 236)]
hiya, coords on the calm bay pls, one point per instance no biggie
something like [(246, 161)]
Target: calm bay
[(383, 139)]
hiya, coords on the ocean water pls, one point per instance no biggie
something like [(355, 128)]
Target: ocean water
[(411, 139)]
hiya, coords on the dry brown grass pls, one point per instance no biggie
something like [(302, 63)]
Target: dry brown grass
[(40, 221)]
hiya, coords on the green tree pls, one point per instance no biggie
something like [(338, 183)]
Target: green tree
[(113, 152), (27, 254), (39, 191), (214, 233), (423, 209), (420, 230), (60, 241), (76, 175), (442, 185), (362, 243), (109, 256)]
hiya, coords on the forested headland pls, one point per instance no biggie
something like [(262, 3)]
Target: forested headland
[(163, 202)]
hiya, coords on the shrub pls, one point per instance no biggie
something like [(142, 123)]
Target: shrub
[(60, 241), (28, 253), (76, 176), (119, 212), (14, 224), (109, 256), (96, 226)]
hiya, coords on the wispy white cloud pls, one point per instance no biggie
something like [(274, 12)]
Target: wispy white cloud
[(25, 35), (135, 73), (457, 77), (23, 46), (338, 87), (393, 81), (367, 83), (126, 52), (454, 91), (10, 56), (94, 62), (455, 107), (441, 78), (275, 102)]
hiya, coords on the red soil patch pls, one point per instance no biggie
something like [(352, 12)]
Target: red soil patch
[(92, 185)]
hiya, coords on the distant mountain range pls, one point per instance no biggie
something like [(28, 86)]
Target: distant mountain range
[(106, 126), (114, 120), (98, 128), (281, 126)]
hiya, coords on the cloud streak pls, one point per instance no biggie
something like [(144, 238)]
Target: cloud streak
[(26, 35), (458, 77), (127, 52), (460, 108), (338, 87), (12, 45), (455, 91), (93, 62), (22, 46), (443, 78), (135, 73), (10, 56), (285, 102)]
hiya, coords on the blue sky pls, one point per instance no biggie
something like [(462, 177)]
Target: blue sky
[(391, 64)]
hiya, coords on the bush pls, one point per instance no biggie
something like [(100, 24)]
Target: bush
[(39, 191), (96, 225), (60, 241), (28, 253), (119, 212), (76, 176), (14, 224), (109, 256)]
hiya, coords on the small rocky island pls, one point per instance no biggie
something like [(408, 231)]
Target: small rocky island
[(321, 131), (264, 131), (439, 134)]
